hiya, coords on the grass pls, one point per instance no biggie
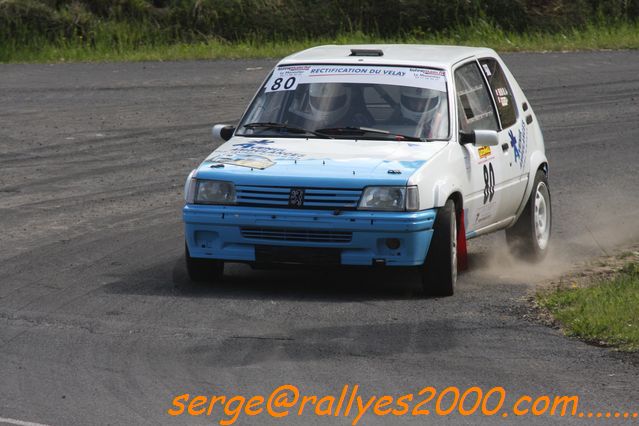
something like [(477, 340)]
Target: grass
[(605, 312), (124, 43)]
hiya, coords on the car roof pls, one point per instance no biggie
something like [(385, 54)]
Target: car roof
[(435, 56)]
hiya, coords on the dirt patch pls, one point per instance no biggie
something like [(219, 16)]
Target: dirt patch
[(593, 270)]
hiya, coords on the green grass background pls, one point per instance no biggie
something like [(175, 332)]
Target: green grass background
[(591, 38), (97, 30)]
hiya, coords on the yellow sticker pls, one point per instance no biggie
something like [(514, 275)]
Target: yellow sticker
[(484, 151)]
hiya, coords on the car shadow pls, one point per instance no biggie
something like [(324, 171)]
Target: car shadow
[(304, 283)]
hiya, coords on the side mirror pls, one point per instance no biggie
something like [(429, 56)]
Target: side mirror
[(222, 132), (479, 138)]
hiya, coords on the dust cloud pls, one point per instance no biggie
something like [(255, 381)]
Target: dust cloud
[(584, 230)]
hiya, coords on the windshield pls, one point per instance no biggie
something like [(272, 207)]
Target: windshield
[(350, 101)]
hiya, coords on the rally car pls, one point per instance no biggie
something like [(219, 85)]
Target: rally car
[(373, 155)]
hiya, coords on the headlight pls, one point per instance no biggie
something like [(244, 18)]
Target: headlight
[(390, 198), (211, 192)]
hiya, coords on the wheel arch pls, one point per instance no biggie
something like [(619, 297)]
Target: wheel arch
[(544, 168), (458, 199), (538, 161)]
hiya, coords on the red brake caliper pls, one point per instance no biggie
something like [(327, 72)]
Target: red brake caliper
[(462, 252)]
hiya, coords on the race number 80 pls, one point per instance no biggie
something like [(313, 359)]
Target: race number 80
[(281, 83)]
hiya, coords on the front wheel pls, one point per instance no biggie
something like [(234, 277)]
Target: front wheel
[(204, 270), (530, 236), (439, 273)]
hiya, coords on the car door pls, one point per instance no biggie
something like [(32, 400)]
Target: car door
[(513, 136), (485, 174)]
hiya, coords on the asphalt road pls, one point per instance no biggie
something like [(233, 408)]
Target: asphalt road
[(99, 324)]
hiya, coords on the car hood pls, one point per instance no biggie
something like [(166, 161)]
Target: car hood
[(317, 162)]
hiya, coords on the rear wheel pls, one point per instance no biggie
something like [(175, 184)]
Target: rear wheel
[(203, 270), (530, 236), (439, 273)]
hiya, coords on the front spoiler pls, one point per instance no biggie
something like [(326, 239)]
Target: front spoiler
[(216, 232)]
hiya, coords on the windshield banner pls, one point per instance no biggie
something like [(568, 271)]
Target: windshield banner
[(288, 77)]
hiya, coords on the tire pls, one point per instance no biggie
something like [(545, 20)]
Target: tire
[(439, 273), (203, 270), (529, 237)]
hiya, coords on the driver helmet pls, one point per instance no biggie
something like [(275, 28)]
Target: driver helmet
[(419, 104), (329, 101)]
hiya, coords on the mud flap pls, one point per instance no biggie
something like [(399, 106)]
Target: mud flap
[(462, 252)]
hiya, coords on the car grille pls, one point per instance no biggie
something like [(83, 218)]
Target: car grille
[(302, 235), (314, 198)]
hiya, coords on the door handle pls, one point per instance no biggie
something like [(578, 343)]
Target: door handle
[(505, 146)]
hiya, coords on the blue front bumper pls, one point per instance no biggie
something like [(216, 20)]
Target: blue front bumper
[(232, 233)]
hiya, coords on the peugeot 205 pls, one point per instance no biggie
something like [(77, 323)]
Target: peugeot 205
[(373, 155)]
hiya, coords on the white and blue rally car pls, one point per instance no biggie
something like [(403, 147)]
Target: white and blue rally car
[(373, 155)]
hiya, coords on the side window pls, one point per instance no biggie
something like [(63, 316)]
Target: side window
[(501, 91), (476, 111)]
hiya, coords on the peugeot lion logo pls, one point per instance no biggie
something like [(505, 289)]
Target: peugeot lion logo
[(296, 198)]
